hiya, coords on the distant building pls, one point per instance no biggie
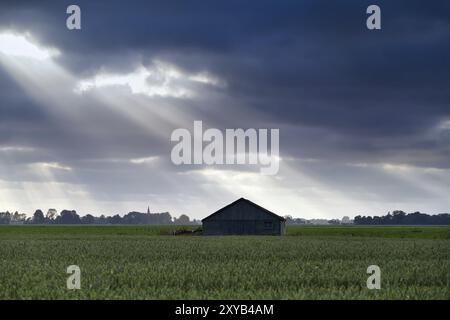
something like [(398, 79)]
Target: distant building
[(243, 217)]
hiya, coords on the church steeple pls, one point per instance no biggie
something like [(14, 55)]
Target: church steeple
[(148, 210)]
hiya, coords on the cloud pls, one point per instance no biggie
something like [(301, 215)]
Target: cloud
[(363, 116), (159, 79), (52, 165), (20, 45), (15, 149), (144, 160)]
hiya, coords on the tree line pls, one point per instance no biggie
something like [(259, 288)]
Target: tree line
[(399, 217), (71, 217)]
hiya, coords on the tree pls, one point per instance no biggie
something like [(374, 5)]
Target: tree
[(5, 217), (38, 217), (102, 219), (164, 218), (18, 218), (114, 219), (68, 217), (346, 220), (398, 217), (183, 219), (51, 215), (88, 219), (401, 218)]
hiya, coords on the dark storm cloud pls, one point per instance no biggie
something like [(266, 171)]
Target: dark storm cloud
[(311, 68), (314, 61), (20, 117)]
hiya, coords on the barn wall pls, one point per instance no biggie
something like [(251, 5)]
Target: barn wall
[(243, 218), (230, 227)]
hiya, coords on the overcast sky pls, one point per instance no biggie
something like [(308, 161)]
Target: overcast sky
[(86, 116)]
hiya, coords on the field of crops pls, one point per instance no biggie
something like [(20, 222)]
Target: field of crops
[(141, 262)]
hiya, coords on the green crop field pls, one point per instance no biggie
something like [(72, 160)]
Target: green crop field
[(146, 262)]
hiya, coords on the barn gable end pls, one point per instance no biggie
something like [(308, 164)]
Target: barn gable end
[(243, 217)]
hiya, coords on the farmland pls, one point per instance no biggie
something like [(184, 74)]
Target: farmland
[(147, 262)]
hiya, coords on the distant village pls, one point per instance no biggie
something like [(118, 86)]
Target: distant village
[(71, 217), (52, 216)]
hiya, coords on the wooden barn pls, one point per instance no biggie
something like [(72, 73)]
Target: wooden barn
[(243, 217)]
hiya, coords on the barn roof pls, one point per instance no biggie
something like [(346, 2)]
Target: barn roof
[(248, 202)]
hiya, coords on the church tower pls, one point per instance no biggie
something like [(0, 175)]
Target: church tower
[(148, 210)]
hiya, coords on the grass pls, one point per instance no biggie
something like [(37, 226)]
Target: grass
[(143, 262), (417, 232), (88, 230)]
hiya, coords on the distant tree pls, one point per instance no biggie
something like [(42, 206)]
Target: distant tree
[(346, 220), (398, 217), (68, 217), (51, 215), (38, 217), (114, 219), (102, 219), (135, 218), (294, 221), (289, 219), (164, 218), (18, 218), (401, 218), (183, 220), (5, 217), (88, 219)]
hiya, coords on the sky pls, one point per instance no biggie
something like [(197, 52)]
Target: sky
[(86, 116)]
